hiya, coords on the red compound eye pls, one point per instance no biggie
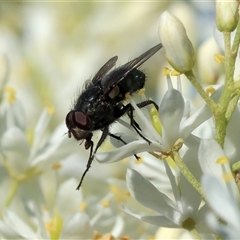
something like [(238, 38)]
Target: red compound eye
[(78, 119)]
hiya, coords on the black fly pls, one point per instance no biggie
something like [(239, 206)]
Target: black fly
[(101, 103)]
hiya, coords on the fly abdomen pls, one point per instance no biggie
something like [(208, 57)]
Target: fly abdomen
[(133, 82)]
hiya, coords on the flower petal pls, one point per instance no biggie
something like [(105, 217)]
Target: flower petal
[(195, 120), (18, 225), (209, 153), (77, 227), (15, 146), (155, 220), (147, 194), (171, 112), (126, 151), (220, 201)]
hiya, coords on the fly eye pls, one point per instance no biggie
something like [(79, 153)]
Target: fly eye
[(78, 119)]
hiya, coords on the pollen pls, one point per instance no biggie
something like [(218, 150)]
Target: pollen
[(50, 109), (56, 166), (166, 71), (125, 238), (97, 236), (107, 236), (49, 226), (127, 95), (119, 194), (82, 206), (222, 160), (128, 194), (175, 73), (210, 90), (219, 58), (151, 238), (54, 226), (139, 160), (105, 203), (11, 97), (141, 91)]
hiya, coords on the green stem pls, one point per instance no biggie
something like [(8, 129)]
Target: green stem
[(186, 173), (211, 104), (221, 120)]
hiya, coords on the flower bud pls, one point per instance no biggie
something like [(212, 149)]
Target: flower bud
[(179, 50), (226, 15)]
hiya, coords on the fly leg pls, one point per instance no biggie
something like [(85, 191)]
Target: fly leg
[(129, 110), (89, 144), (121, 140), (134, 123), (141, 105), (147, 102)]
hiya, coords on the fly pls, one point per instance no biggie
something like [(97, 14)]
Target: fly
[(101, 103)]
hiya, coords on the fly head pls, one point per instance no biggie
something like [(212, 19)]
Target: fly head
[(79, 125)]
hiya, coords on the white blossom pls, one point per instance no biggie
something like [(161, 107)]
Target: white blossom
[(224, 205)]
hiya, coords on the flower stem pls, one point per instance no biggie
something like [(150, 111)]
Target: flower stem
[(186, 173), (211, 104), (221, 120)]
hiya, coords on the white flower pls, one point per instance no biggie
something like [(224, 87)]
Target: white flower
[(63, 221), (218, 182), (177, 124), (213, 161), (26, 156), (183, 211), (224, 205)]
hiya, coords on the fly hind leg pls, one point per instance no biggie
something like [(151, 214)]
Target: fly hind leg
[(121, 140), (129, 110)]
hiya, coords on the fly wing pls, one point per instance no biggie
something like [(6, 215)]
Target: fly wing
[(104, 69), (110, 80)]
